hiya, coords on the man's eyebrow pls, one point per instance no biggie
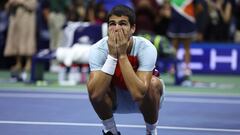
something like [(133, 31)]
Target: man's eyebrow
[(111, 21), (123, 21), (117, 21)]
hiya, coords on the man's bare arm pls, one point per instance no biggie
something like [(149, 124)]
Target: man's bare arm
[(100, 81), (138, 82), (98, 84)]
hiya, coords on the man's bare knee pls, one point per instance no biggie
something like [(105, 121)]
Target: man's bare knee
[(95, 95), (157, 85)]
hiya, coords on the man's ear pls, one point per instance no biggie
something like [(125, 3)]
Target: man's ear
[(133, 28)]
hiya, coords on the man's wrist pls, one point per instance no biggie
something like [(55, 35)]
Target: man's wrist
[(109, 65), (122, 56)]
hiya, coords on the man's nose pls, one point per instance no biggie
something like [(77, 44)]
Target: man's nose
[(118, 26)]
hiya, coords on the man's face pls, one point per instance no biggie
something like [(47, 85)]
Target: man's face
[(117, 23)]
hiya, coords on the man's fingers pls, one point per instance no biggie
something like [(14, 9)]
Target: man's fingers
[(112, 36), (117, 37), (120, 37), (125, 33), (110, 32)]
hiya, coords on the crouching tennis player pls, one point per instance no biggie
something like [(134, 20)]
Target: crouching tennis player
[(122, 78)]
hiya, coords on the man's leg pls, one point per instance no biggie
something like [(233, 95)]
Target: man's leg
[(150, 105), (103, 109)]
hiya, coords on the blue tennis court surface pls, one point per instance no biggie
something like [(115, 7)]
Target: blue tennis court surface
[(70, 113)]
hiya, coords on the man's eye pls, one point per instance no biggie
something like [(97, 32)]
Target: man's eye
[(111, 24), (123, 24)]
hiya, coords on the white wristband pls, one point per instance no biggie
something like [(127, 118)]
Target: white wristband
[(109, 65)]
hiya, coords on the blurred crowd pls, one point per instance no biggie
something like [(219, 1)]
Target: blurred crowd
[(216, 20), (22, 22)]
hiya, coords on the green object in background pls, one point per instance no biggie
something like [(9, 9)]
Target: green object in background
[(162, 44), (179, 3)]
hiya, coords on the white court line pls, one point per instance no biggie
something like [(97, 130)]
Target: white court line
[(118, 125), (85, 96), (203, 100)]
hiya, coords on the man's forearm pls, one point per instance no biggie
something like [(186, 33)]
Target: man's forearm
[(136, 86)]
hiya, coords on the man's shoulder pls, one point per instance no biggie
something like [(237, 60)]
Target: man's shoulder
[(100, 48), (101, 44), (142, 43)]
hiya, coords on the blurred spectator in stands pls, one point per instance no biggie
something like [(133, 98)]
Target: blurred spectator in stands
[(90, 14), (55, 15), (100, 13), (201, 18), (96, 12), (145, 15), (219, 17), (76, 11), (182, 27), (163, 17), (21, 37), (54, 12), (237, 17)]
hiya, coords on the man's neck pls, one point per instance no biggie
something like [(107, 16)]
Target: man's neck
[(130, 45)]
